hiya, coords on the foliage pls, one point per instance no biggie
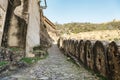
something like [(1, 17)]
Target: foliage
[(15, 49), (3, 63), (30, 60), (85, 27)]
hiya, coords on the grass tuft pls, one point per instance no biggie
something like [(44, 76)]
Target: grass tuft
[(30, 60), (3, 63)]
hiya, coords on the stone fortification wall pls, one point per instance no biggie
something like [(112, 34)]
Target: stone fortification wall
[(100, 56)]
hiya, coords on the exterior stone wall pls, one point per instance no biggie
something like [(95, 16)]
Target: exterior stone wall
[(33, 31), (14, 34), (22, 24), (4, 4), (3, 10), (100, 56), (10, 55)]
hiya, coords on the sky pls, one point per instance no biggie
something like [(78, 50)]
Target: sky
[(94, 11)]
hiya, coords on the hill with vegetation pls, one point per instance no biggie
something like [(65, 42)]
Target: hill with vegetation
[(86, 27)]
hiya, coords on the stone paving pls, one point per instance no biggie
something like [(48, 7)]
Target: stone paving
[(55, 67)]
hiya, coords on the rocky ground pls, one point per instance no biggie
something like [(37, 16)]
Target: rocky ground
[(55, 67)]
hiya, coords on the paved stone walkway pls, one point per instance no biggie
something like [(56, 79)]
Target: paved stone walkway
[(54, 67)]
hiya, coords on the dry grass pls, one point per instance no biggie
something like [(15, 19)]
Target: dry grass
[(108, 35)]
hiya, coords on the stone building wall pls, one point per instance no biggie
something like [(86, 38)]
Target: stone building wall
[(4, 4), (3, 10), (22, 25), (18, 25), (33, 31), (12, 34)]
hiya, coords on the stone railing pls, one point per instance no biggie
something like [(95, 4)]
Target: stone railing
[(100, 56)]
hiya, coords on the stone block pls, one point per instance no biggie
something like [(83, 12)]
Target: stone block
[(99, 53), (88, 54), (113, 61), (81, 51)]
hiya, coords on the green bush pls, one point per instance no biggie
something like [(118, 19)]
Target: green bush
[(3, 63), (15, 49), (29, 60)]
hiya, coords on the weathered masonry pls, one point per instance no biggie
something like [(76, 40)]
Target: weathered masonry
[(100, 56), (21, 24), (3, 10)]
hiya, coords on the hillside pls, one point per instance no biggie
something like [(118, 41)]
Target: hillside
[(107, 35), (86, 27)]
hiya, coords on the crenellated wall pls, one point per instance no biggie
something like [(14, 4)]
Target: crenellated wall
[(100, 56)]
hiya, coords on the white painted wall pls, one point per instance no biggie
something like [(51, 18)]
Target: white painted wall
[(33, 30)]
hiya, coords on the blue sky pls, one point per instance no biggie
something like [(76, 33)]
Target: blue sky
[(94, 11)]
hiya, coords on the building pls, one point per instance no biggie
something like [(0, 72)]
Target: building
[(21, 26)]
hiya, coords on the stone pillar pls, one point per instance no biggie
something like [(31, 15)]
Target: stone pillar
[(33, 30), (3, 6)]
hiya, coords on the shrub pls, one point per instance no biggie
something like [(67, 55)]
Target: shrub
[(3, 63), (30, 60)]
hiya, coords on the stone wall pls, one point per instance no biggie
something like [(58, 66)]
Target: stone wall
[(45, 39), (14, 34), (33, 31), (18, 25), (6, 24), (22, 26), (51, 29), (4, 4), (100, 56), (3, 10), (11, 55)]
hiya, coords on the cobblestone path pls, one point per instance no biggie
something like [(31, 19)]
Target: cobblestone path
[(54, 67)]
